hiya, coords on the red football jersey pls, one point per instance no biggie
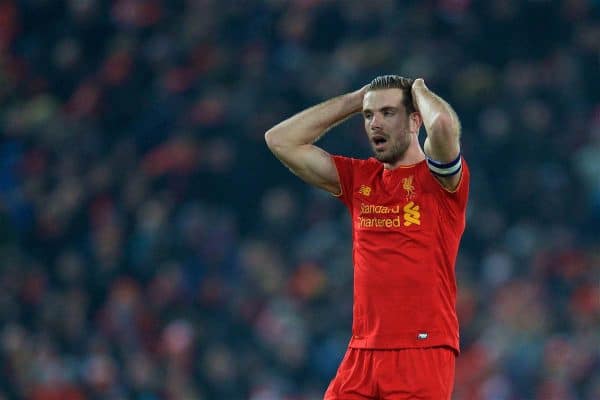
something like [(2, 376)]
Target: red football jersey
[(406, 229)]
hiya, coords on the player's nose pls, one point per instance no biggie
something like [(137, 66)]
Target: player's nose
[(375, 123)]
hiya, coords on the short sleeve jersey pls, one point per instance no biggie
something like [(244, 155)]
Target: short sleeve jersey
[(406, 230)]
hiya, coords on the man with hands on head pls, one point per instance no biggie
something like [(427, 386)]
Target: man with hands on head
[(407, 206)]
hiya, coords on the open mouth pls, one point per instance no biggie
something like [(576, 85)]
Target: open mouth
[(379, 141)]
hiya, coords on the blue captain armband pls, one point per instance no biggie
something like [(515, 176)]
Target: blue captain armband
[(445, 169)]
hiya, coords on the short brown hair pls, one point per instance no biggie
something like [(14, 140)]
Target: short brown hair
[(396, 82)]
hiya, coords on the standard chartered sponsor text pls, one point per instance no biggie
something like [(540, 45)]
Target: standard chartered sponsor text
[(379, 222), (393, 221), (378, 209)]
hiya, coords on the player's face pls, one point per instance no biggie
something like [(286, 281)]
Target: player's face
[(387, 124)]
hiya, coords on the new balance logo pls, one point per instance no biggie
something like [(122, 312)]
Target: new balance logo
[(364, 190), (411, 214)]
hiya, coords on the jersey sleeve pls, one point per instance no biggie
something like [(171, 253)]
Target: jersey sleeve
[(345, 169), (454, 202)]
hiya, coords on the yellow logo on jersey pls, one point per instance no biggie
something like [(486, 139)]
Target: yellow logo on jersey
[(364, 190), (388, 216), (407, 184), (411, 214)]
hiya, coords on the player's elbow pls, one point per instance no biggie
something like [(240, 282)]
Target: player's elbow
[(271, 139), (445, 124), (275, 142)]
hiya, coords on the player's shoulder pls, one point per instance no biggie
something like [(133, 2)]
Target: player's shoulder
[(370, 163), (361, 163)]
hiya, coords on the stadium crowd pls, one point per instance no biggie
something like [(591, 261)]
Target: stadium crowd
[(152, 248)]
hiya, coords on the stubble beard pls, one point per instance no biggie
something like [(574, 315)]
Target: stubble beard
[(395, 152)]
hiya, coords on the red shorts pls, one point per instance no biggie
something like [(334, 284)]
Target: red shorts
[(422, 373)]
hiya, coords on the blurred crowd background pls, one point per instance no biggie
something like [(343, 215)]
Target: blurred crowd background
[(152, 248)]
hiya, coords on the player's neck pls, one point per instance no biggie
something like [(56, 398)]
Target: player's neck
[(413, 155)]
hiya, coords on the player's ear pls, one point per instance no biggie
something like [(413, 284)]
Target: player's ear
[(414, 122)]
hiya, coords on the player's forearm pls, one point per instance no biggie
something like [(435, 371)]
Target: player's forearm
[(307, 126), (439, 119)]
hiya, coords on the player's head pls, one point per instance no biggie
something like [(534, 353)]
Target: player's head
[(391, 120)]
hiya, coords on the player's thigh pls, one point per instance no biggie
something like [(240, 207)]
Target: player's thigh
[(424, 374), (353, 380)]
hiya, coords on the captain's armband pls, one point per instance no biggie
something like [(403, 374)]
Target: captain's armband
[(445, 169)]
